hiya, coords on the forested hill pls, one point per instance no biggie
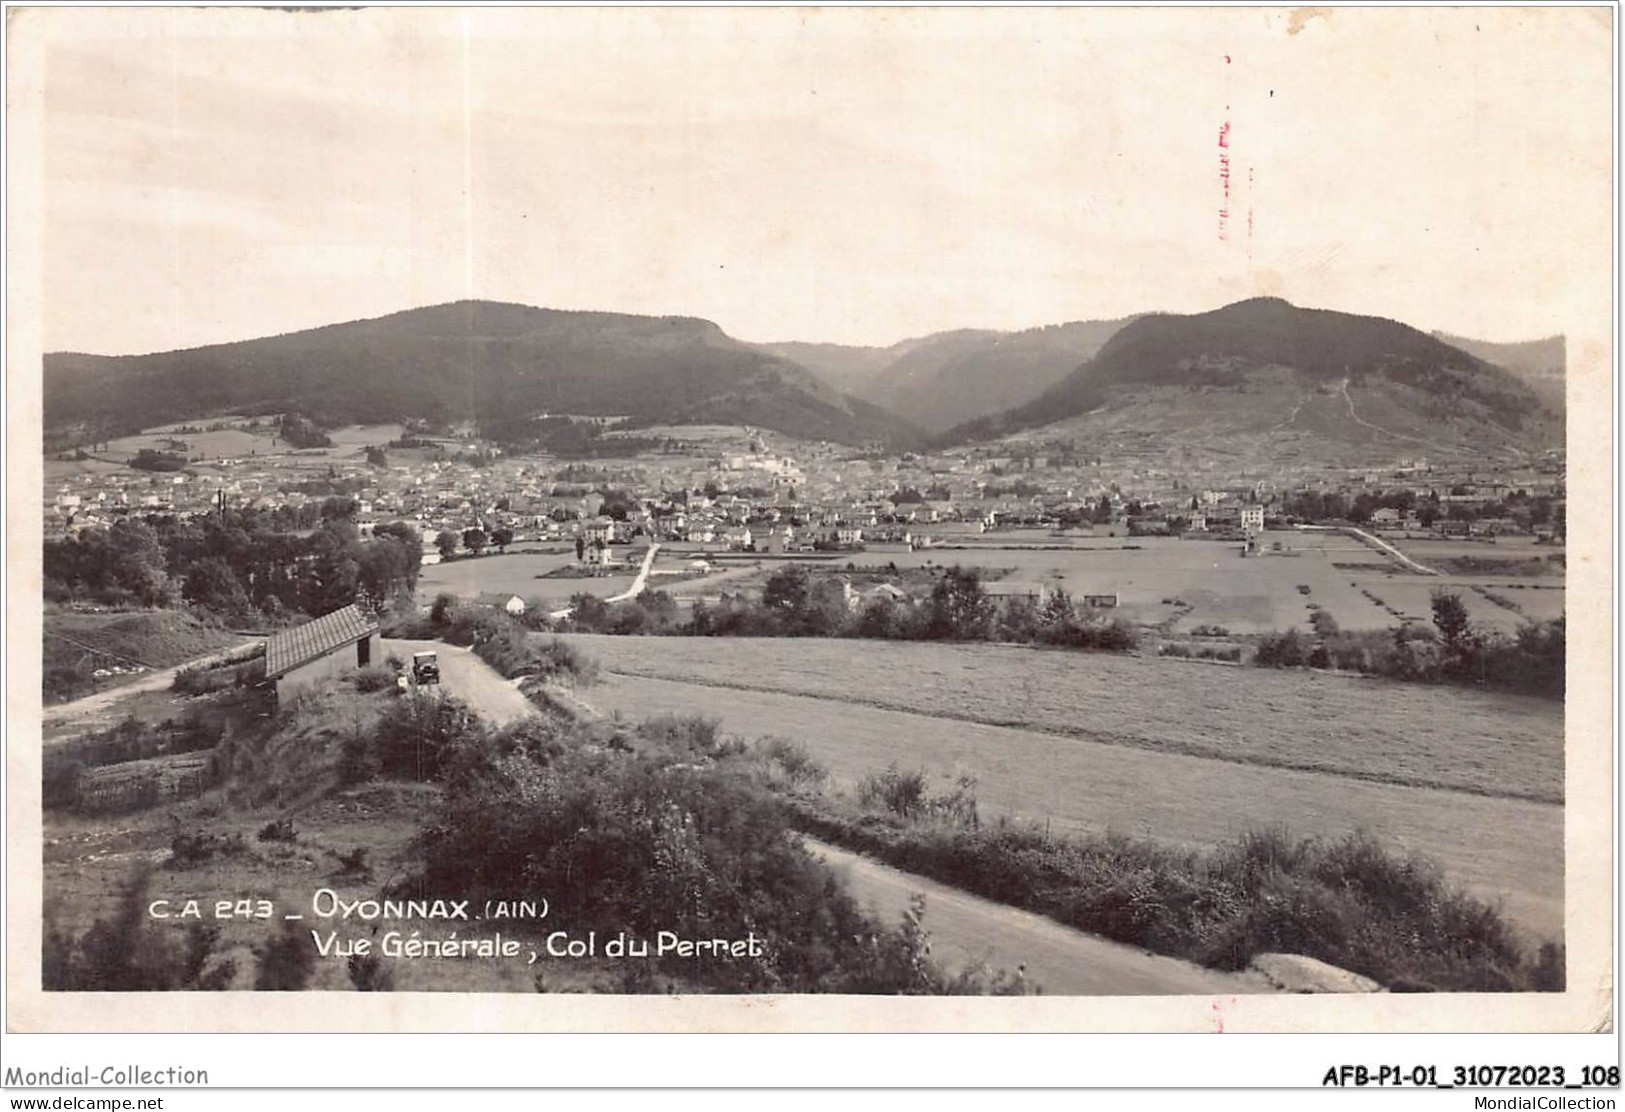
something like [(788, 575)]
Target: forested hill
[(468, 360), (1346, 377)]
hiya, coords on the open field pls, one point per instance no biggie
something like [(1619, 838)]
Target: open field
[(212, 445), (1505, 850), (1219, 587), (515, 573), (364, 436), (1242, 594), (1412, 596), (1500, 548), (1483, 742)]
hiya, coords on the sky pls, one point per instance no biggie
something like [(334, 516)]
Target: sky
[(850, 176)]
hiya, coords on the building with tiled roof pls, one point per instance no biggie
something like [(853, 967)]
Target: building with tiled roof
[(329, 646)]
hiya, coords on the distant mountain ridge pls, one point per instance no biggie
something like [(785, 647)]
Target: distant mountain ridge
[(943, 379), (1528, 359), (470, 360), (1258, 376), (1338, 372)]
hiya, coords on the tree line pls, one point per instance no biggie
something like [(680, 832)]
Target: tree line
[(239, 564), (794, 603), (1530, 661)]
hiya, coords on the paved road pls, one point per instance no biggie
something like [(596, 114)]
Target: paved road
[(1061, 961), (470, 679)]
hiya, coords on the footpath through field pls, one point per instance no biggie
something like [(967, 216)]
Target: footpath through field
[(967, 930)]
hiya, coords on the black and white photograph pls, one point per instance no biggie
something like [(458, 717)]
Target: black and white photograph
[(1069, 510)]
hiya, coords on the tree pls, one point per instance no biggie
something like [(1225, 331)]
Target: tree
[(1057, 613), (474, 540), (1450, 618), (212, 585), (581, 550), (787, 591), (588, 612), (502, 538), (960, 609), (446, 542)]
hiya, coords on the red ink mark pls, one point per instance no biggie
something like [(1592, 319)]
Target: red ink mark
[(1249, 214), (1224, 177), (1218, 1018)]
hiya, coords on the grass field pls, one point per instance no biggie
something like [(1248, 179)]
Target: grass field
[(1483, 742), (1152, 576), (1218, 585), (515, 573), (1505, 850)]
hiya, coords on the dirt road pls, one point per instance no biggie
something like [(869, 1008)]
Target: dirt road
[(105, 707), (966, 930), (470, 679)]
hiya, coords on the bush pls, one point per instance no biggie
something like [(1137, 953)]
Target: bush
[(200, 846), (901, 793), (672, 833), (1530, 662), (557, 658), (792, 758), (278, 830), (1281, 650), (285, 961), (373, 678), (691, 733), (419, 737)]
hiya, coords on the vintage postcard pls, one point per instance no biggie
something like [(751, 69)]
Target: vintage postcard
[(809, 519)]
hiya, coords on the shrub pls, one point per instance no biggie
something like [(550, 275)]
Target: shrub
[(1323, 623), (691, 733), (285, 960), (368, 973), (651, 839), (200, 846), (798, 765), (417, 738), (901, 793), (1348, 901), (376, 677), (555, 658), (278, 830), (1281, 650)]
